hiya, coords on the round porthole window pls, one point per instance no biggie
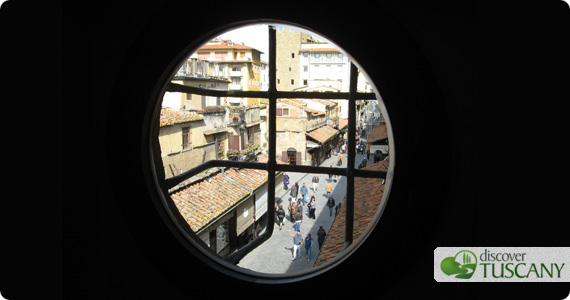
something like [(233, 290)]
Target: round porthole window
[(273, 151)]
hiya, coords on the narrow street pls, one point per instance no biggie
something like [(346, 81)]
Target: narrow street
[(274, 256)]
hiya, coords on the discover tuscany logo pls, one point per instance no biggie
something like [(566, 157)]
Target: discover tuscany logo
[(463, 264), (502, 264)]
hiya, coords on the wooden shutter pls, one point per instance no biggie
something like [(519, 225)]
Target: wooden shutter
[(298, 162), (233, 142)]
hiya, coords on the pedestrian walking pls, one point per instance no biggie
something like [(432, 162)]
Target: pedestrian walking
[(280, 216), (255, 229), (363, 164), (330, 175), (294, 191), (330, 204), (304, 193), (285, 181), (321, 234), (308, 244), (312, 208), (315, 181), (297, 239), (292, 211), (298, 216), (340, 157), (298, 220), (328, 189), (276, 208)]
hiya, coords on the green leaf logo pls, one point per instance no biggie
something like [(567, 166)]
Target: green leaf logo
[(463, 264)]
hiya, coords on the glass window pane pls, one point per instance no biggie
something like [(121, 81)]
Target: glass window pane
[(307, 72), (225, 207), (309, 131), (199, 130), (299, 213), (368, 195)]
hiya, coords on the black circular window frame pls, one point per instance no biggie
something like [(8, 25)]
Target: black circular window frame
[(419, 126), (272, 94)]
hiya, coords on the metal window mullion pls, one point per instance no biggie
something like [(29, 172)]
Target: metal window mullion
[(236, 256), (272, 95), (349, 205), (175, 180), (175, 87)]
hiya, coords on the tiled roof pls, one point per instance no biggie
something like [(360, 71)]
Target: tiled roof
[(318, 50), (378, 133), (322, 134), (226, 46), (214, 131), (171, 117), (368, 193), (298, 103), (264, 158), (342, 123), (203, 202)]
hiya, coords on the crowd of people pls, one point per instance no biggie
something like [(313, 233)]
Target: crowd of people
[(303, 199)]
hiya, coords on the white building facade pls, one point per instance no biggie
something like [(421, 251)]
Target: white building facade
[(323, 66)]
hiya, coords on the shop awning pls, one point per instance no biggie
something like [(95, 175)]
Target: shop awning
[(312, 145)]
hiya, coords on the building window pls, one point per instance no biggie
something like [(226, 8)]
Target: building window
[(220, 55), (328, 134), (186, 138)]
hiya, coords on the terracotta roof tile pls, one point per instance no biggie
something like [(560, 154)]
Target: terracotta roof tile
[(226, 46), (203, 202), (318, 50), (367, 196), (342, 123), (171, 117), (322, 134), (378, 133)]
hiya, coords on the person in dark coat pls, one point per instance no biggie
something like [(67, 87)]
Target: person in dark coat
[(295, 190), (312, 207), (280, 216), (330, 204), (321, 234)]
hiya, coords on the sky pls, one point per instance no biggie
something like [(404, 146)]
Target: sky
[(256, 36)]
